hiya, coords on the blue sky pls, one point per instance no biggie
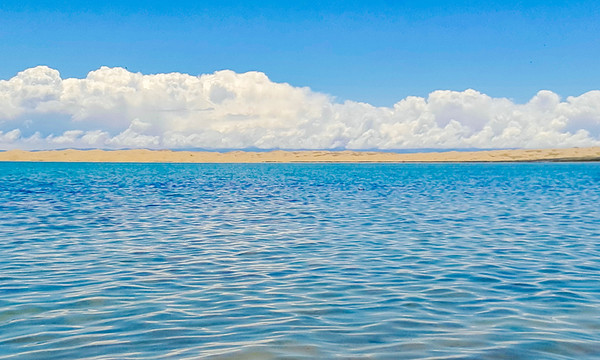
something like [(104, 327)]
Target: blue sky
[(299, 74), (373, 51)]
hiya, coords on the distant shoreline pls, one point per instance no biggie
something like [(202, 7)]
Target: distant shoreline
[(306, 156)]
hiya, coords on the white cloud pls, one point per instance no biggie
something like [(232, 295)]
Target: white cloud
[(114, 108)]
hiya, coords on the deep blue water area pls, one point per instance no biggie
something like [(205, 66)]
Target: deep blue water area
[(299, 261)]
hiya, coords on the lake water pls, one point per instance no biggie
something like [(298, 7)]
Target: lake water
[(299, 261)]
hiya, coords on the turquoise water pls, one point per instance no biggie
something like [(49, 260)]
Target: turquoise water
[(307, 261)]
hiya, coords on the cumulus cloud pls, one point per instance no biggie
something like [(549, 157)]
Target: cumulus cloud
[(115, 108)]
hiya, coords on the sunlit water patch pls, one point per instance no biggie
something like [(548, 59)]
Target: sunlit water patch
[(276, 261)]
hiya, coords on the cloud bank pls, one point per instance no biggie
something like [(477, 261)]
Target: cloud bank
[(114, 108)]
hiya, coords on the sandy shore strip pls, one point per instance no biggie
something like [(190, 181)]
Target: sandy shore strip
[(278, 156)]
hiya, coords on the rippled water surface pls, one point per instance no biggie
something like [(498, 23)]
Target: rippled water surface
[(276, 261)]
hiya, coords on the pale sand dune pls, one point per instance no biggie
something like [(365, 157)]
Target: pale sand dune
[(168, 156)]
